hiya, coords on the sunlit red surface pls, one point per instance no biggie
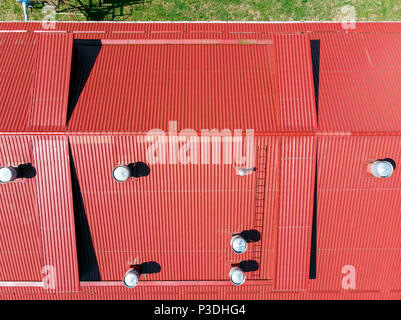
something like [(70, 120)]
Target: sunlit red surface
[(134, 77)]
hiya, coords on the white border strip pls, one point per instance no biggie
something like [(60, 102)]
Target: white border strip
[(21, 284), (13, 31), (49, 31), (87, 31)]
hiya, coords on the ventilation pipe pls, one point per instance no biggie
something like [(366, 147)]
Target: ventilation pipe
[(8, 174), (121, 173), (131, 278), (244, 171), (382, 169), (238, 244), (237, 276)]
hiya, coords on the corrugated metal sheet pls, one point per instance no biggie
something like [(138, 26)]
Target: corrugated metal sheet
[(52, 79), (55, 209), (296, 99), (357, 214), (268, 159), (200, 86), (360, 85), (20, 245), (17, 68), (298, 163), (375, 54), (227, 292), (182, 217)]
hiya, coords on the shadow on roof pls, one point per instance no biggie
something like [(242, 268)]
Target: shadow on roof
[(87, 260), (249, 265), (84, 56)]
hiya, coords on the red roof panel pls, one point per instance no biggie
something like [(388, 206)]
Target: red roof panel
[(17, 70), (137, 77), (180, 216), (56, 213), (296, 97), (360, 85), (20, 242), (298, 163), (358, 215), (52, 80), (200, 86)]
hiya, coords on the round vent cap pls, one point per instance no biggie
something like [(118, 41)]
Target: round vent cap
[(382, 169), (131, 278), (238, 244), (121, 173), (237, 276), (7, 174)]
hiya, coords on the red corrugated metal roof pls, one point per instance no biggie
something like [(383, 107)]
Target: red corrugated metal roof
[(296, 97), (55, 211), (20, 243), (17, 72), (193, 292), (358, 219), (179, 215), (298, 163), (310, 159), (52, 82), (200, 86), (360, 86)]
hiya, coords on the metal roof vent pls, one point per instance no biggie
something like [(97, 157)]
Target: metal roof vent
[(382, 169), (237, 276), (131, 278), (121, 173), (8, 174), (238, 244), (244, 171)]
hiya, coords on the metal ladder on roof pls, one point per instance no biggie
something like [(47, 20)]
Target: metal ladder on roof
[(260, 194)]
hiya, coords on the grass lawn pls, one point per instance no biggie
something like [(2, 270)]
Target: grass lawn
[(224, 10)]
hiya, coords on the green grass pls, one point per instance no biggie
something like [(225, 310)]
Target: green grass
[(222, 10)]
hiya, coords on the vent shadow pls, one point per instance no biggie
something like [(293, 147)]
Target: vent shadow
[(249, 265)]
